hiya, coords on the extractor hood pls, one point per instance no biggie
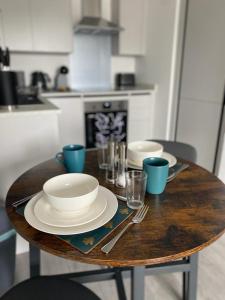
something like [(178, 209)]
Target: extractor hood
[(92, 21)]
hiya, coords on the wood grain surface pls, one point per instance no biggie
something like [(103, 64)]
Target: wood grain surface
[(187, 217)]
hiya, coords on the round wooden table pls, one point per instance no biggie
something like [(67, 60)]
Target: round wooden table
[(186, 218)]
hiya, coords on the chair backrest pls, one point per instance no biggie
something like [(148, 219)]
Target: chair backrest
[(179, 149), (48, 288)]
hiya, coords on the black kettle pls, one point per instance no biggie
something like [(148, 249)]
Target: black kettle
[(39, 80)]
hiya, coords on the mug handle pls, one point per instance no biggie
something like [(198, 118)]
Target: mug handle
[(59, 157)]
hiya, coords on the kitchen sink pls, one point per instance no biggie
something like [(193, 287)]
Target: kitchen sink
[(28, 99)]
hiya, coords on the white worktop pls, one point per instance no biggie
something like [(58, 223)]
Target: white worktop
[(140, 89), (48, 107), (36, 109)]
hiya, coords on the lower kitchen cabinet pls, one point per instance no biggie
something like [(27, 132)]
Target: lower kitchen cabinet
[(140, 124), (140, 117), (27, 139), (70, 120)]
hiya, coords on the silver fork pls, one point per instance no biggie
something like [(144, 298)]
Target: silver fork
[(136, 219)]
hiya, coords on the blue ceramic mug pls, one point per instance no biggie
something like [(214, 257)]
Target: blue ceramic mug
[(157, 169), (73, 158)]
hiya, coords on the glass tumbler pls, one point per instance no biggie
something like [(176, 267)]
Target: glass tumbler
[(112, 162), (135, 188), (121, 165), (102, 154)]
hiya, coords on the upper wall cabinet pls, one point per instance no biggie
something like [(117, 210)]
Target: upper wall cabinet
[(16, 25), (52, 25), (40, 26), (132, 16)]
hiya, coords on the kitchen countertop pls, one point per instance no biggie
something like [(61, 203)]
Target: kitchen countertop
[(95, 92), (46, 107)]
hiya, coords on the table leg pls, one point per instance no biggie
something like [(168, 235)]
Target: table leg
[(34, 253), (190, 279), (120, 286), (138, 283)]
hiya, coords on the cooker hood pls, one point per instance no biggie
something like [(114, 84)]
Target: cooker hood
[(92, 21)]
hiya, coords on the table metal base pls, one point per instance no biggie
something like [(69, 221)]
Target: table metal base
[(188, 266)]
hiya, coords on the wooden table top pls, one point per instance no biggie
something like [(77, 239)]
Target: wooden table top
[(187, 217)]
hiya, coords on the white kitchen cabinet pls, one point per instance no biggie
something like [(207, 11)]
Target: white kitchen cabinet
[(70, 120), (39, 26), (72, 124), (27, 139), (198, 124), (203, 74), (204, 64), (140, 117), (16, 25), (130, 15), (52, 25)]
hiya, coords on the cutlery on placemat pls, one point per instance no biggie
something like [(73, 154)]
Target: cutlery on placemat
[(23, 200), (138, 218)]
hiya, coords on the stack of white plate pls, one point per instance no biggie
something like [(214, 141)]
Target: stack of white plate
[(138, 151), (71, 204)]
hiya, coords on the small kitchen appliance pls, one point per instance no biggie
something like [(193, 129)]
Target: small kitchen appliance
[(40, 80), (8, 81), (61, 79), (125, 80), (105, 120)]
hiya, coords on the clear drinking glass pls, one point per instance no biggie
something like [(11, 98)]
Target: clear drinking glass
[(112, 162), (121, 165), (102, 154), (135, 188)]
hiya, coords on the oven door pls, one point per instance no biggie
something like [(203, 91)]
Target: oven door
[(104, 120)]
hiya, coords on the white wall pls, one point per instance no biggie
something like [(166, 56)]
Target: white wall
[(122, 64), (156, 66), (49, 63), (30, 62)]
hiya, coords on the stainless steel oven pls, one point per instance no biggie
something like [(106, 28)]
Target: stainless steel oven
[(105, 119)]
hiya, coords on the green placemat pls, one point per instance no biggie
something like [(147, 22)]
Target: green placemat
[(85, 242)]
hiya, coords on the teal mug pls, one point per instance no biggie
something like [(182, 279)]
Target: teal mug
[(73, 158), (157, 170)]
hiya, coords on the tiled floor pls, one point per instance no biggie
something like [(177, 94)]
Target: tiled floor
[(211, 279)]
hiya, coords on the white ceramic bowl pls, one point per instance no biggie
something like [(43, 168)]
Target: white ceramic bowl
[(138, 151), (71, 192)]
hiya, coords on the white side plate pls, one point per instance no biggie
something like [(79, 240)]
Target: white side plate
[(112, 206), (171, 159)]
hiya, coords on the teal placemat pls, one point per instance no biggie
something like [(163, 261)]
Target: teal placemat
[(85, 242)]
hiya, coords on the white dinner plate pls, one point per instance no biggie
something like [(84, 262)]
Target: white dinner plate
[(112, 206), (171, 159), (51, 216)]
